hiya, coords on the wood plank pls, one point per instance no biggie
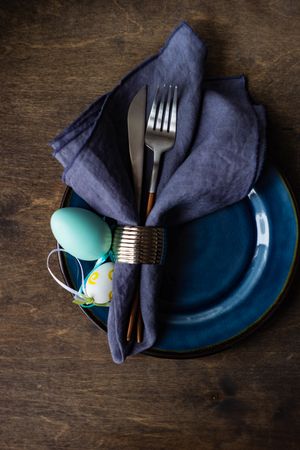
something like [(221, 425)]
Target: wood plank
[(58, 386)]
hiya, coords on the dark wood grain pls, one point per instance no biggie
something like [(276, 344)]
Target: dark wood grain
[(58, 386)]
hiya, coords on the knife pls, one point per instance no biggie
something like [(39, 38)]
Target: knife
[(136, 122), (136, 135)]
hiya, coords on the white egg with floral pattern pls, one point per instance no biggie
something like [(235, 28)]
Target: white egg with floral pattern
[(98, 285)]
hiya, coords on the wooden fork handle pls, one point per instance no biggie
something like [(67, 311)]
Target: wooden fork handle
[(150, 202), (133, 313), (139, 326)]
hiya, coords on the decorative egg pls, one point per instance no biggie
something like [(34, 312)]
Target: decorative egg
[(81, 233), (98, 284)]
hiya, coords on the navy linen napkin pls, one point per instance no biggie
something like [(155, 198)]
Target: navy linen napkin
[(216, 160)]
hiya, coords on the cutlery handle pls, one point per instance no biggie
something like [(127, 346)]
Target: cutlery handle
[(155, 170), (136, 307), (150, 202), (133, 313), (140, 325)]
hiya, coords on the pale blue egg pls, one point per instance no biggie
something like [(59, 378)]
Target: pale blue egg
[(81, 233)]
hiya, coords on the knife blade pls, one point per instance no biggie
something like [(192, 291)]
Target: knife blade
[(136, 121), (136, 134)]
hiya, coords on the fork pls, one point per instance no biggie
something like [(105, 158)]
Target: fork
[(160, 136), (160, 133)]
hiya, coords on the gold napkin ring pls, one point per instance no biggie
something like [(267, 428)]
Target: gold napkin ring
[(139, 245)]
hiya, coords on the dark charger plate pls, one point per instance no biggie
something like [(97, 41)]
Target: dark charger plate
[(224, 274)]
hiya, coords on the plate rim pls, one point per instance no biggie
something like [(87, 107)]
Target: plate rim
[(222, 345)]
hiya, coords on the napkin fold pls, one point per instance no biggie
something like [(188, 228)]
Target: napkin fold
[(217, 158)]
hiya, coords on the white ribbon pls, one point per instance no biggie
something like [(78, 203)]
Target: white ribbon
[(63, 285)]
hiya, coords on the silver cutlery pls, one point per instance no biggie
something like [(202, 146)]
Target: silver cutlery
[(161, 132), (160, 137), (136, 134)]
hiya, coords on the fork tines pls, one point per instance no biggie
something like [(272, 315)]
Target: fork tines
[(163, 113)]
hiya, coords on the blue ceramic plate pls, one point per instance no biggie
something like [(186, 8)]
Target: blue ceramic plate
[(225, 273)]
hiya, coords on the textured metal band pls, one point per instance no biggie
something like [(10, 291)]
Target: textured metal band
[(139, 245)]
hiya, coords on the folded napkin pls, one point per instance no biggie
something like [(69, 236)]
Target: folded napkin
[(216, 160)]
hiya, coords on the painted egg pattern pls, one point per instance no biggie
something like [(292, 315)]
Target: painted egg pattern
[(98, 285)]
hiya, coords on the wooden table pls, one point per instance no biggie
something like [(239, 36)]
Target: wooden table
[(59, 388)]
